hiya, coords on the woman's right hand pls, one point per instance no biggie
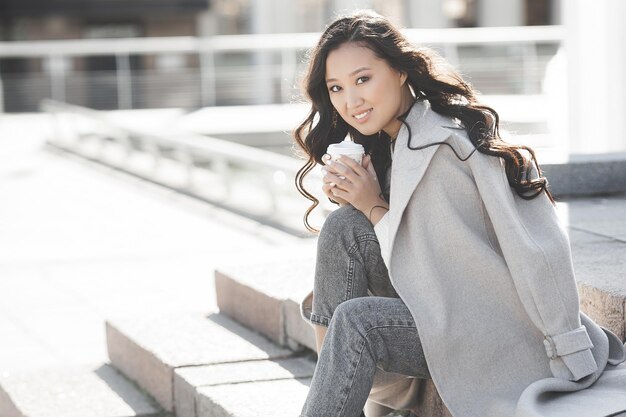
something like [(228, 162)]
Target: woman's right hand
[(328, 186)]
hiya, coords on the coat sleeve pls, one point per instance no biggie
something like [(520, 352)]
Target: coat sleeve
[(536, 249)]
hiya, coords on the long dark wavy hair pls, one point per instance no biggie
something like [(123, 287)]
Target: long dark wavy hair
[(430, 78)]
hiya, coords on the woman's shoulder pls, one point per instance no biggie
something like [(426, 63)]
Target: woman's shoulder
[(463, 147), (458, 140), (433, 127)]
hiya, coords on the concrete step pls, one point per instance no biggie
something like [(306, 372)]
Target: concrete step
[(235, 389), (150, 350), (600, 266), (265, 296), (96, 391), (283, 398), (586, 174)]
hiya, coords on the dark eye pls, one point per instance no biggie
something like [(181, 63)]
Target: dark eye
[(362, 78), (334, 91)]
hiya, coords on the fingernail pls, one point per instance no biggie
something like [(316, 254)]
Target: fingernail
[(332, 184), (326, 156)]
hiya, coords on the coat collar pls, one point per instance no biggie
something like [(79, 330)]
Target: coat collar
[(409, 165)]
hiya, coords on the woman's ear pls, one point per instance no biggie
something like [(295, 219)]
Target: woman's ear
[(403, 76)]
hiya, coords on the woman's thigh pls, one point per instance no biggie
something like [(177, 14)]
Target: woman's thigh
[(348, 264)]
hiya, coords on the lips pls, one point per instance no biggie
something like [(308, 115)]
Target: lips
[(363, 116)]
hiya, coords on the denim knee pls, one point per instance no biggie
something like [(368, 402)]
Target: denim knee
[(365, 313), (348, 264), (383, 327), (351, 315), (344, 223)]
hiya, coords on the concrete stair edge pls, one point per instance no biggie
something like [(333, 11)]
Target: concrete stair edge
[(151, 361), (605, 307), (190, 381), (225, 401), (587, 174), (120, 349), (75, 391), (266, 304)]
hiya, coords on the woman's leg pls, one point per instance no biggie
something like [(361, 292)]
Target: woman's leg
[(364, 333), (348, 264)]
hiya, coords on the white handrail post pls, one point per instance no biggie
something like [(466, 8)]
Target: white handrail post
[(184, 155), (275, 186), (57, 127), (288, 69), (124, 81), (222, 168), (56, 68), (529, 66), (1, 96), (451, 51), (207, 76)]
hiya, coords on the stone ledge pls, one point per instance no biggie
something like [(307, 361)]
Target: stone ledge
[(587, 174), (265, 297), (296, 328), (600, 266), (261, 399), (98, 391), (188, 380), (148, 350)]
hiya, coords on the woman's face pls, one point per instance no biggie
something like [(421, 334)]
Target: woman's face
[(364, 89)]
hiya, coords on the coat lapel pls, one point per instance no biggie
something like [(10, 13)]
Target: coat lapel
[(409, 165)]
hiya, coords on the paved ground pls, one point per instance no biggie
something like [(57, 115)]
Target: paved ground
[(80, 243)]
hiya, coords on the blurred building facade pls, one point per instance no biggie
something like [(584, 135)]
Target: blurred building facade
[(22, 20), (312, 15), (33, 68), (43, 20), (171, 79)]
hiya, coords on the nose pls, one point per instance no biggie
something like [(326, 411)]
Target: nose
[(353, 99)]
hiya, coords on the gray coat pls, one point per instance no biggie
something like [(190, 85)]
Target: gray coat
[(489, 280), (488, 277)]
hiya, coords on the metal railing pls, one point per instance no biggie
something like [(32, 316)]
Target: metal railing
[(245, 69), (206, 168)]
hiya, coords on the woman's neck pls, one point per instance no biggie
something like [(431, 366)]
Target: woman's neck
[(407, 101)]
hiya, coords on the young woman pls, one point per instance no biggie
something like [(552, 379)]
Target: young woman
[(446, 259)]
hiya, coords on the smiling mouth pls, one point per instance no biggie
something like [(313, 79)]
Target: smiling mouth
[(362, 115)]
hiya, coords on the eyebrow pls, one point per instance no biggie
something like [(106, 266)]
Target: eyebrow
[(351, 74)]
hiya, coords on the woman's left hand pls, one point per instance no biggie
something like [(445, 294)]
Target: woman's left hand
[(360, 186)]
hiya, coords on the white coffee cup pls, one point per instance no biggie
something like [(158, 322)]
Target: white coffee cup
[(348, 148)]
